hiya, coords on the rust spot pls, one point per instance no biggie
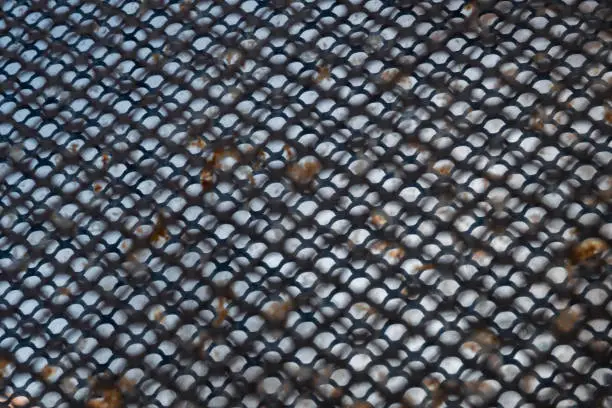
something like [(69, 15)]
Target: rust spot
[(608, 115), (232, 57), (350, 244), (390, 75), (364, 307), (438, 396), (160, 230), (587, 249), (251, 178), (222, 153), (186, 6), (222, 313), (362, 404), (444, 170), (528, 383), (289, 151), (65, 291), (323, 72), (3, 364), (159, 316), (48, 371), (305, 172), (477, 387), (472, 345), (380, 246), (74, 147), (199, 143), (126, 384), (378, 219), (540, 57), (97, 187), (105, 159), (567, 319), (510, 72), (206, 179), (278, 311), (480, 254), (425, 267), (397, 253), (485, 338), (537, 122), (111, 398), (336, 393), (124, 245)]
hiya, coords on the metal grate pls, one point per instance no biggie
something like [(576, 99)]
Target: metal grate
[(305, 203)]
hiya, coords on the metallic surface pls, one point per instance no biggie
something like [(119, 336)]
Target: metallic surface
[(305, 203)]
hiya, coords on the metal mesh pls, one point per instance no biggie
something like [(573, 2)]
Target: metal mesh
[(305, 203)]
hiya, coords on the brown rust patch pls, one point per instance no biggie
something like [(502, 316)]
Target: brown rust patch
[(323, 73), (587, 249), (160, 230), (222, 313), (304, 173), (567, 319), (278, 311)]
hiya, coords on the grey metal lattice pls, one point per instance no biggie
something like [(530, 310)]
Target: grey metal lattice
[(305, 203)]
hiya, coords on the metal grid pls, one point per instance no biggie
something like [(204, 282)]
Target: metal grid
[(305, 203)]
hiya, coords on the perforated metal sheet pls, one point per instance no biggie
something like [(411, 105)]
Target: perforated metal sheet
[(305, 203)]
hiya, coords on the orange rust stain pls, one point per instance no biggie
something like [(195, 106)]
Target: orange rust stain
[(485, 338), (389, 75), (379, 220), (587, 249), (290, 154), (206, 179), (444, 170), (278, 310), (111, 398), (3, 364), (305, 172), (397, 253), (199, 143), (222, 313), (160, 230), (479, 254), (380, 246), (126, 384), (159, 316), (48, 371), (222, 153), (323, 72), (567, 320), (97, 187), (64, 291)]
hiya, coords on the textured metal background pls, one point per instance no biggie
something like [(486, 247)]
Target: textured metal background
[(305, 203)]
